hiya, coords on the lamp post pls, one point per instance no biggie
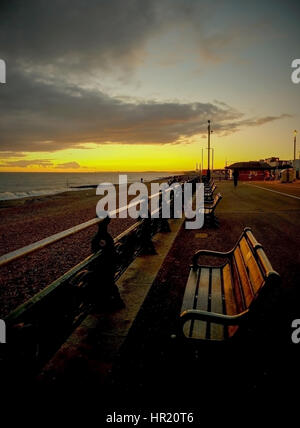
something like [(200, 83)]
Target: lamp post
[(295, 140), (208, 148)]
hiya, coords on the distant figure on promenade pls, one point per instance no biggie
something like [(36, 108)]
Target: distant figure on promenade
[(142, 180), (235, 177)]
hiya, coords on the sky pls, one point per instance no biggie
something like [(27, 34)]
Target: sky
[(129, 85)]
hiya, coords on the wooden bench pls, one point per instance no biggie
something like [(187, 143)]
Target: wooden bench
[(218, 300), (209, 211)]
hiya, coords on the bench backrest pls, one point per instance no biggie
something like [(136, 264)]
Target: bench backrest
[(210, 190), (206, 181), (250, 270), (216, 200), (210, 184)]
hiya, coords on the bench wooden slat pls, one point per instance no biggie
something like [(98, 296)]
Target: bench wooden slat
[(237, 287), (244, 279), (200, 327), (189, 297), (253, 241), (264, 261), (216, 330), (230, 303), (252, 267)]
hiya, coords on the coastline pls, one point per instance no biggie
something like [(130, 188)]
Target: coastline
[(21, 188)]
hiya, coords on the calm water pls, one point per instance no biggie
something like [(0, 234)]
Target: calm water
[(14, 185)]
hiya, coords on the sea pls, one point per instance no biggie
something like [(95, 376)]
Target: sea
[(16, 185)]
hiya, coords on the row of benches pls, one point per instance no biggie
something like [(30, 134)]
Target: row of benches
[(210, 204)]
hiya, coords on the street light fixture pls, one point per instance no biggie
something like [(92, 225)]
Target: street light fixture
[(209, 131)]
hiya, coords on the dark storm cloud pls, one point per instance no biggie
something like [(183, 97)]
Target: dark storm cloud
[(39, 116), (46, 44), (80, 34)]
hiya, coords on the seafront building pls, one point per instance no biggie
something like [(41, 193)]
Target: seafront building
[(263, 169), (253, 170)]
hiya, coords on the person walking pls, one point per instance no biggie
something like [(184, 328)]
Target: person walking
[(235, 177)]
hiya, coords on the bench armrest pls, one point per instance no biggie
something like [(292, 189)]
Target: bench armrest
[(192, 314), (209, 253)]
